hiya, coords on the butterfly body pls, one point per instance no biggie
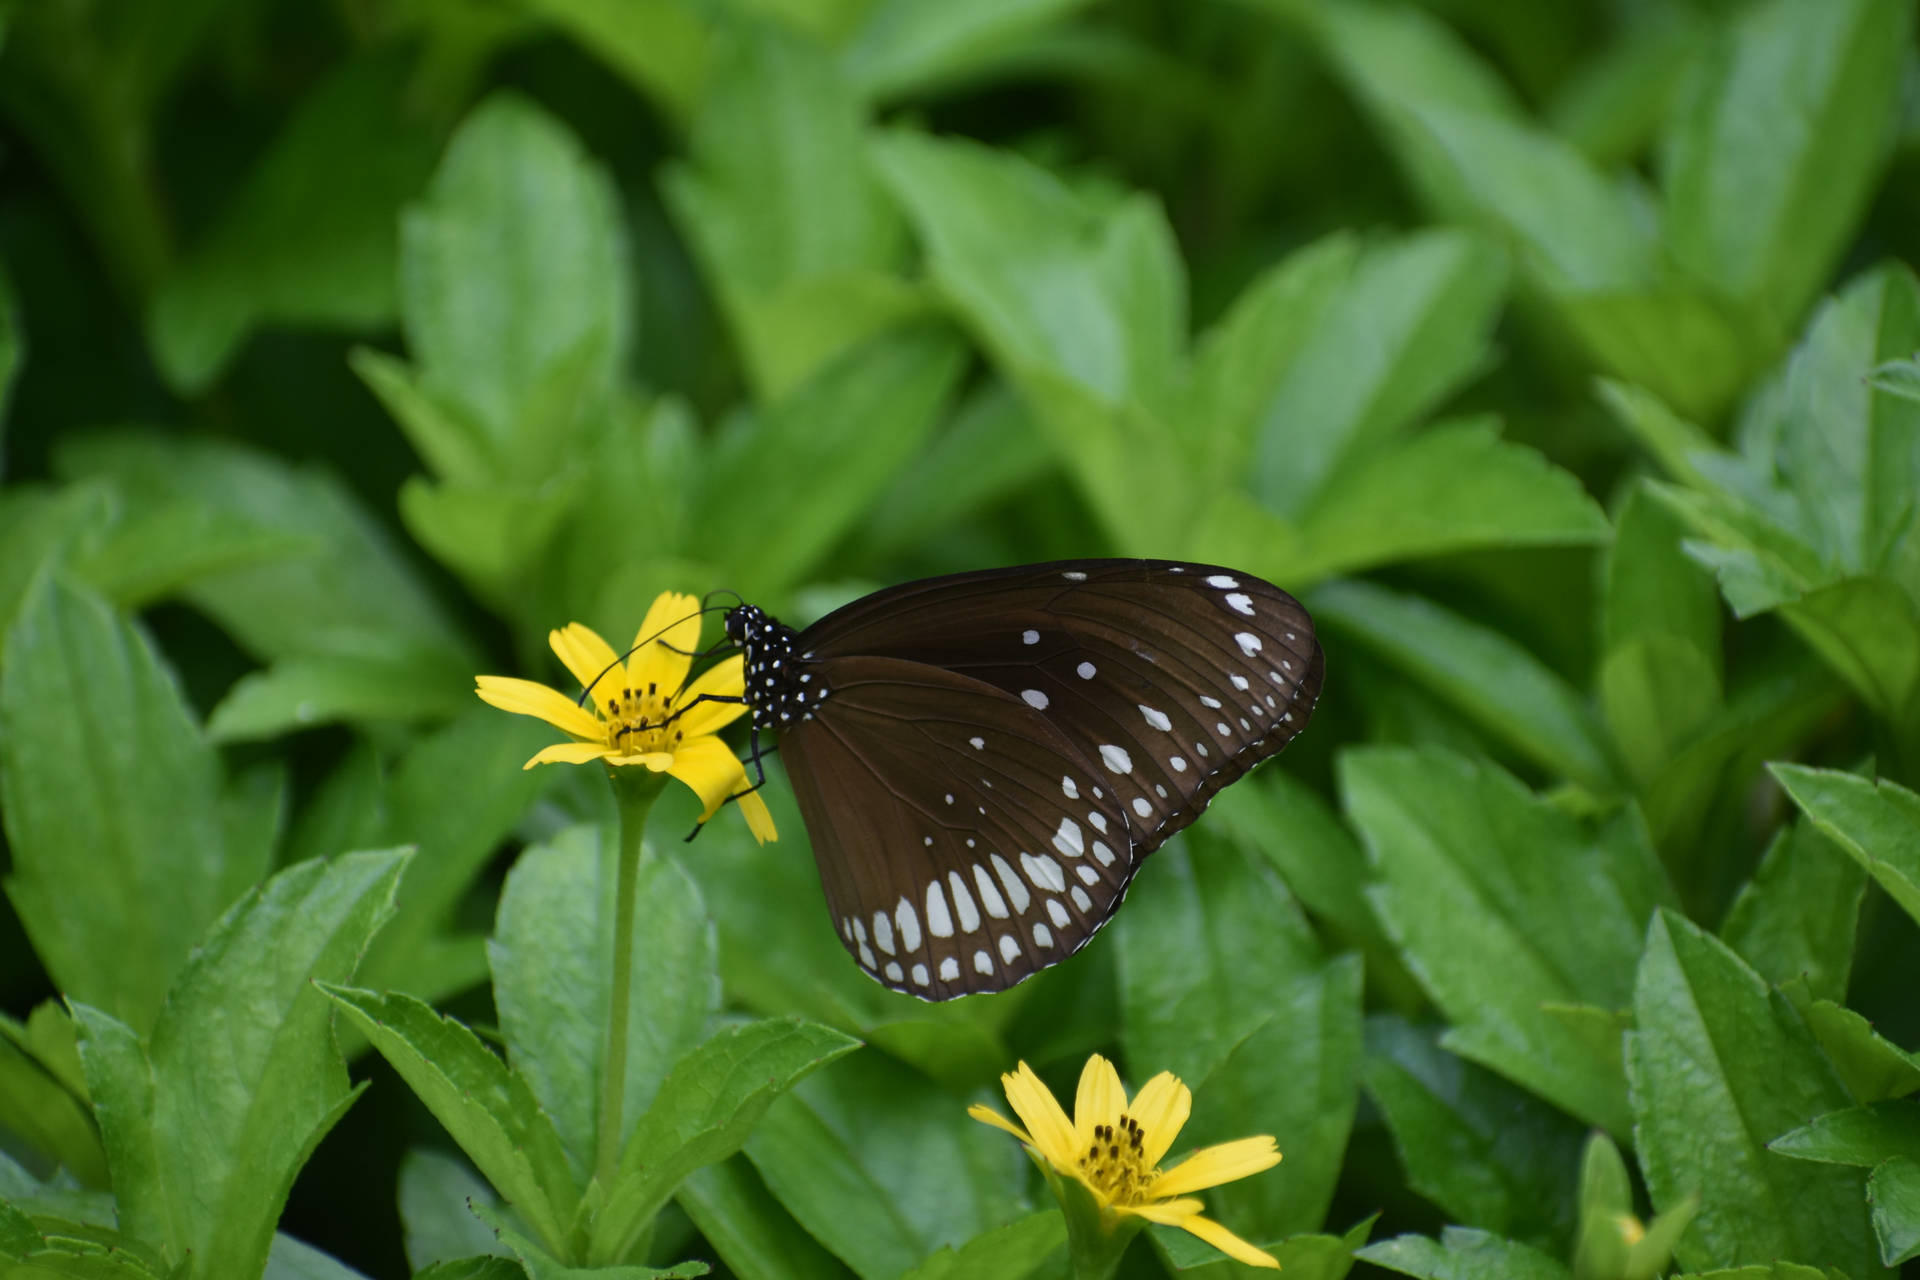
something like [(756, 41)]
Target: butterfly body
[(983, 760)]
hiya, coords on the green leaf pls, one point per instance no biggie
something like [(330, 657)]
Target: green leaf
[(904, 46), (848, 429), (1031, 1245), (1777, 1271), (1286, 822), (549, 315), (1302, 1257), (165, 549), (542, 1265), (1255, 1003), (1893, 1192), (13, 346), (207, 1124), (457, 794), (1463, 1254), (1081, 303), (484, 1268), (1717, 1070), (883, 1170), (1775, 152), (39, 1108), (295, 245), (552, 956), (1505, 904), (434, 1190), (1478, 671), (486, 1108), (1661, 673), (300, 693), (660, 46), (1454, 487), (781, 206), (702, 1113), (1798, 914), (1877, 823), (755, 1237), (1251, 352), (111, 805), (1862, 1136), (1471, 1143), (1582, 242), (1410, 325), (1873, 1067), (986, 451), (354, 594), (290, 1259)]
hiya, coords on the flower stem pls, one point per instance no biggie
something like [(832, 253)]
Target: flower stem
[(635, 790)]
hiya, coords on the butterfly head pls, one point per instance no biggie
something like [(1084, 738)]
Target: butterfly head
[(778, 688)]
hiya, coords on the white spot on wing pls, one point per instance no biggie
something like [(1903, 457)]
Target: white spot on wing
[(920, 976), (1222, 581), (939, 923), (883, 932), (894, 972), (1116, 759), (1066, 785), (1088, 874), (1068, 839), (1179, 763), (1158, 719), (989, 895), (1029, 637), (1044, 872), (1099, 821), (1033, 698), (1087, 671), (1009, 949), (979, 744), (963, 908), (1141, 807), (1059, 913), (1015, 886), (983, 963), (1081, 900), (1249, 643), (1239, 682), (1074, 575), (949, 969), (1205, 701), (1103, 853), (909, 926), (1240, 603), (1042, 936)]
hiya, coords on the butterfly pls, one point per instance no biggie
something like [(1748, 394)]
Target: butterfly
[(984, 760)]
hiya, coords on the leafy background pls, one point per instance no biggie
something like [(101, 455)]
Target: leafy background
[(1559, 356)]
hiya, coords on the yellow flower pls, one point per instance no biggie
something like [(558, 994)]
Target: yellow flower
[(1114, 1148), (631, 716)]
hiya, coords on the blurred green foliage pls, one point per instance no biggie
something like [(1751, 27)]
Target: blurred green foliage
[(1563, 358)]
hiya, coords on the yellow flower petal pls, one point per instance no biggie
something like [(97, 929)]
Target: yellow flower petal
[(591, 661), (706, 765), (759, 818), (1099, 1100), (1169, 1213), (1227, 1242), (658, 761), (665, 642), (568, 753), (1033, 1102), (1211, 1166), (1161, 1107), (722, 681), (987, 1115), (526, 698)]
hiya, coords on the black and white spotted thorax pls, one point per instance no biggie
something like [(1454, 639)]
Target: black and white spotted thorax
[(779, 689)]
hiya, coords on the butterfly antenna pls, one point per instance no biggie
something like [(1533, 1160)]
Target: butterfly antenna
[(587, 692)]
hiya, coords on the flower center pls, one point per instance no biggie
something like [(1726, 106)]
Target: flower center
[(636, 721), (1115, 1164)]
